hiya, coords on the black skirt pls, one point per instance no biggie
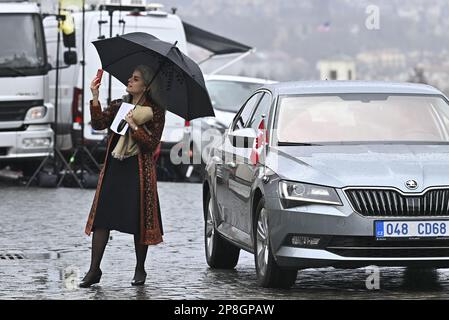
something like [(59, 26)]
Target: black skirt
[(118, 206)]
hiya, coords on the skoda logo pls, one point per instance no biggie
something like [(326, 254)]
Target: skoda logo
[(411, 184)]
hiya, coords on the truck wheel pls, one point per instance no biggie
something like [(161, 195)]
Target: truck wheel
[(269, 274), (220, 254)]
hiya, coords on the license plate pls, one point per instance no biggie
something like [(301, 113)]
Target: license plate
[(411, 229)]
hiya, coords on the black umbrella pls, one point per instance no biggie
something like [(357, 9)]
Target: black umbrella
[(177, 83)]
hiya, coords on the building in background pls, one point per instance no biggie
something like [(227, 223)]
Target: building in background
[(338, 68)]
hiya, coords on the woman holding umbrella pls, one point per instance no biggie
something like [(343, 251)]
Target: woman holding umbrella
[(128, 185), (126, 197)]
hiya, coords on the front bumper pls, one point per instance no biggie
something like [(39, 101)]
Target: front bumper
[(12, 143), (346, 240)]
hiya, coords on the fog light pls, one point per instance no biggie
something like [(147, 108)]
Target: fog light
[(303, 241), (36, 142)]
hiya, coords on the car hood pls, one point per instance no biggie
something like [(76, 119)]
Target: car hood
[(224, 117), (364, 165)]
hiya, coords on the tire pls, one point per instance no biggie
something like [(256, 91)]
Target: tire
[(269, 274), (220, 253)]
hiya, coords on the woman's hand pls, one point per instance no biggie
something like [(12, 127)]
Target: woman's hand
[(129, 118), (94, 85)]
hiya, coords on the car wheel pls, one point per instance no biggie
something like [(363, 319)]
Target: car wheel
[(220, 253), (269, 274)]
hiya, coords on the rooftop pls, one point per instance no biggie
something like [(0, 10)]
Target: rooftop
[(339, 86)]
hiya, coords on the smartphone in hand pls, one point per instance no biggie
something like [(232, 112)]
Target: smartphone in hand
[(99, 75)]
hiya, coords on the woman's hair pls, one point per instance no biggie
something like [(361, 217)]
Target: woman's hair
[(147, 76), (146, 72)]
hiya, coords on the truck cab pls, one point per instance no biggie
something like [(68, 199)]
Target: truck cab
[(26, 116)]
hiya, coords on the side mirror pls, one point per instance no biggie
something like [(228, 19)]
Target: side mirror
[(69, 40), (70, 58), (242, 138)]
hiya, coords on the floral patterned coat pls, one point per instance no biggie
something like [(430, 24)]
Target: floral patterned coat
[(150, 219)]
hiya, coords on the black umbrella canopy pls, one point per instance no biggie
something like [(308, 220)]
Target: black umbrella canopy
[(178, 83)]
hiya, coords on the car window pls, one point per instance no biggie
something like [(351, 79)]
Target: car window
[(229, 95), (262, 108), (245, 112), (363, 117)]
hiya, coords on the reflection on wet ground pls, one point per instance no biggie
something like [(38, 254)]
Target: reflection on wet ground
[(46, 226)]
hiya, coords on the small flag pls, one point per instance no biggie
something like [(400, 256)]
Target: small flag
[(259, 143)]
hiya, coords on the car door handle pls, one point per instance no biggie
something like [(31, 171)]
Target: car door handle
[(231, 164)]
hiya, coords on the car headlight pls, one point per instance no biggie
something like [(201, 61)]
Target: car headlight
[(36, 113), (294, 194)]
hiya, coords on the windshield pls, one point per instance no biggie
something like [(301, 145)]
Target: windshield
[(230, 95), (22, 43), (362, 118)]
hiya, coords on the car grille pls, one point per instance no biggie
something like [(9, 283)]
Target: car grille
[(16, 110), (391, 203), (372, 248)]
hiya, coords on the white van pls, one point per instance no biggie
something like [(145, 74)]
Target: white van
[(165, 26)]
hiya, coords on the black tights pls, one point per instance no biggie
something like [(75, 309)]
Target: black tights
[(99, 241), (141, 255)]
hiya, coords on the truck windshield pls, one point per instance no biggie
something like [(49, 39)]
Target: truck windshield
[(358, 118), (22, 49)]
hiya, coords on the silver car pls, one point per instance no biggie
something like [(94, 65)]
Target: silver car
[(331, 173)]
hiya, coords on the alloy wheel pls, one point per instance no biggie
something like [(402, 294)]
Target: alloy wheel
[(210, 229), (262, 242)]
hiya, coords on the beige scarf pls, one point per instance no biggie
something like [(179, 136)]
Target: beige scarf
[(126, 146)]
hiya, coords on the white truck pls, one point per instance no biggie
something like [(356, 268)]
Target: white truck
[(26, 116)]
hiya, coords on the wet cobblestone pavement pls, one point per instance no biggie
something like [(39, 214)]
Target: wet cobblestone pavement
[(46, 227)]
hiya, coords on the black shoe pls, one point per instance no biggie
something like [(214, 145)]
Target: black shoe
[(90, 280), (139, 280)]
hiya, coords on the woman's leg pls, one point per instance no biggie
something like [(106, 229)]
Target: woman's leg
[(141, 255), (99, 241)]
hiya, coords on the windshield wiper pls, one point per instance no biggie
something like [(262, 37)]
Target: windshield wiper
[(17, 71), (283, 144)]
